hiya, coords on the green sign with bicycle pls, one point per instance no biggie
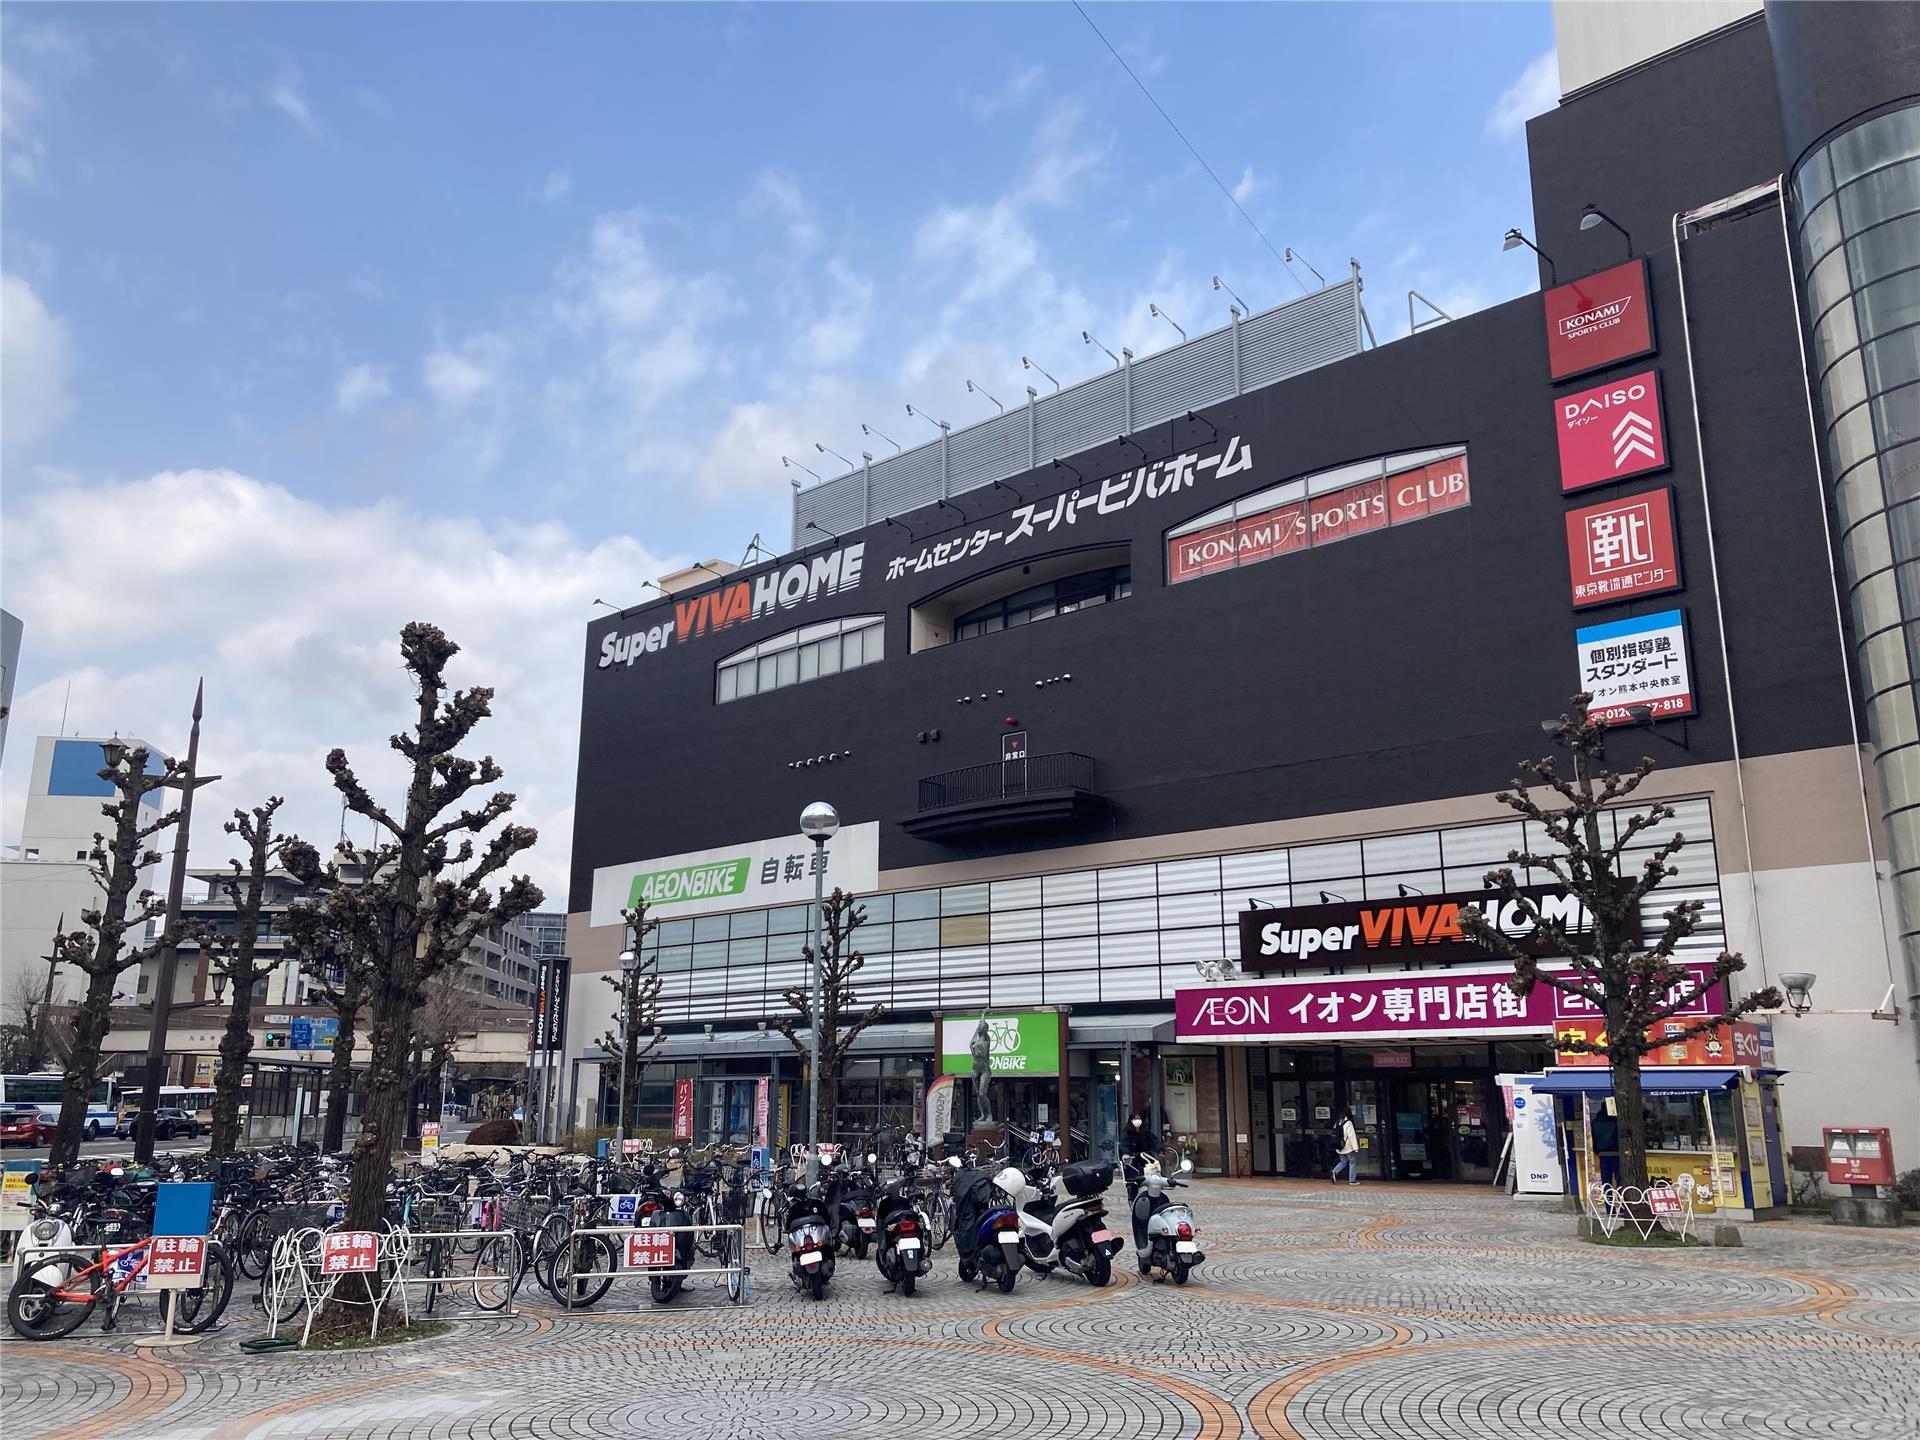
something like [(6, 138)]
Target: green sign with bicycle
[(1025, 1042)]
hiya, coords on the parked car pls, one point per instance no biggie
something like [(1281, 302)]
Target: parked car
[(128, 1122), (23, 1124), (170, 1122)]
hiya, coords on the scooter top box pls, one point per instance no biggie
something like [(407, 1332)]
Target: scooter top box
[(1087, 1177)]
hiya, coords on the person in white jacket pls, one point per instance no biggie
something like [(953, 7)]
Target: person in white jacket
[(1349, 1151)]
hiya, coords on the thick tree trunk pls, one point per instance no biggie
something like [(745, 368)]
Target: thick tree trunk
[(1631, 1104), (90, 1028), (340, 1071), (382, 1127), (236, 1044)]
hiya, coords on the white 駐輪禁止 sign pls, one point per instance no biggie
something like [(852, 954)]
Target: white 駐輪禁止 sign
[(1636, 663), (350, 1252), (650, 1250), (738, 877)]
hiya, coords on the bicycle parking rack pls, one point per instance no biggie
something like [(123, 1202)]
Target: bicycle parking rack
[(296, 1260), (737, 1277)]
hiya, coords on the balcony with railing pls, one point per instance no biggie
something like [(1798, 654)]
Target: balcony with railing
[(1039, 791)]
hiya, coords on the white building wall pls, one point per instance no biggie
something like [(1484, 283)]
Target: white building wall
[(1598, 38)]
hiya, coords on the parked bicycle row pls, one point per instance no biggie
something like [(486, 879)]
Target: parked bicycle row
[(475, 1229)]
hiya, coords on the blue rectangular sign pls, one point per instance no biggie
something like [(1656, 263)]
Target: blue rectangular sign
[(183, 1207)]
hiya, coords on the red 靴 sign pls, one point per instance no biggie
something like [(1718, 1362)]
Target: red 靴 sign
[(1610, 432), (1622, 549), (1600, 320)]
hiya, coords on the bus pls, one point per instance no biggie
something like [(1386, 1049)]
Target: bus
[(44, 1089), (196, 1100)]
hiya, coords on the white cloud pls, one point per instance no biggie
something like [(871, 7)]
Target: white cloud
[(42, 56), (555, 186), (458, 377), (1248, 186), (292, 609), (1537, 90), (36, 364), (367, 289), (1020, 82), (361, 385), (1063, 159), (289, 98), (835, 336), (781, 195)]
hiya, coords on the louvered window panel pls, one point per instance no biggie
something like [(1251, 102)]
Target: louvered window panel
[(982, 454), (1173, 382), (906, 482), (1081, 418)]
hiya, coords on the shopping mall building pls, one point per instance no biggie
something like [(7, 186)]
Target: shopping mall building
[(1164, 715)]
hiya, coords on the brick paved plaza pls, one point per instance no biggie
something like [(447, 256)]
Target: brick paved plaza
[(1375, 1311)]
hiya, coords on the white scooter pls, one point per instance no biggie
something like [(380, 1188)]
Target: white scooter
[(1063, 1219), (1164, 1235)]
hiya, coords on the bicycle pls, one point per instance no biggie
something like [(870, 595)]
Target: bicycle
[(55, 1293)]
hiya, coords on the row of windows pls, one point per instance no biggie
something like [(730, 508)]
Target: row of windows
[(1044, 602), (798, 656), (1129, 932)]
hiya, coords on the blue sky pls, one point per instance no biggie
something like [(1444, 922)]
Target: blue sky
[(319, 318)]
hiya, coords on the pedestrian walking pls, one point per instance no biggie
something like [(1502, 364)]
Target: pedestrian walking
[(1349, 1151)]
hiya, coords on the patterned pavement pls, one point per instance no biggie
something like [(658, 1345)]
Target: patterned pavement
[(1321, 1314)]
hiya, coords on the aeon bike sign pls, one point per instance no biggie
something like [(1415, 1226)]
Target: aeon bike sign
[(1610, 432)]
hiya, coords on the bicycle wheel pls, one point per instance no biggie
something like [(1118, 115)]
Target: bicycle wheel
[(940, 1217), (773, 1225), (549, 1246), (253, 1250), (434, 1268), (196, 1311), (496, 1271), (39, 1309), (595, 1262)]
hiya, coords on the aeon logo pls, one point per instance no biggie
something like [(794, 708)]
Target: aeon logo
[(1584, 411), (1601, 317), (1233, 1012)]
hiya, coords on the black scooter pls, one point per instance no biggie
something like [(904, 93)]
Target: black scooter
[(811, 1238), (902, 1247)]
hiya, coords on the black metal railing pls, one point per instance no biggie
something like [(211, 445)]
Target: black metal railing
[(1001, 779)]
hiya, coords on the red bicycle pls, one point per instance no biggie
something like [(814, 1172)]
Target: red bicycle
[(56, 1291)]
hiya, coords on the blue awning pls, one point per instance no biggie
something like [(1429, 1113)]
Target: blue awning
[(1655, 1080)]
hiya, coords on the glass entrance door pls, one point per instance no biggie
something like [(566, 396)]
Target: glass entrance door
[(1470, 1130), (1419, 1145), (1292, 1134)]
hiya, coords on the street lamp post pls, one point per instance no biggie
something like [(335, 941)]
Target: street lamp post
[(818, 822), (629, 965)]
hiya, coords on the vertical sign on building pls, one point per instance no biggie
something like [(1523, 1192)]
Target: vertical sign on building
[(1610, 432), (1622, 549), (1599, 320), (1636, 664), (683, 1109)]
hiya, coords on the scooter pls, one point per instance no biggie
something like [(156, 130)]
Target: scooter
[(810, 1238), (900, 1248), (1062, 1219), (986, 1232), (1163, 1230)]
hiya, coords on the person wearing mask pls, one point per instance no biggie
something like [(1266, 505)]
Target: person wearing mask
[(1348, 1149), (1137, 1143)]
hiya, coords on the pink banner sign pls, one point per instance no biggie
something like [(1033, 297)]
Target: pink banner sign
[(1433, 1004)]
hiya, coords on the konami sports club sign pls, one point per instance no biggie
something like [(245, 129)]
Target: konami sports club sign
[(726, 605), (1599, 320), (738, 877)]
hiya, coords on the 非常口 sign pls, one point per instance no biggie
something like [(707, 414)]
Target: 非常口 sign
[(1414, 1004)]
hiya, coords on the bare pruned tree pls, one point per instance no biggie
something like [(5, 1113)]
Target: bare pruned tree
[(236, 958), (100, 950), (32, 1037), (839, 963), (426, 895), (1637, 987), (637, 1015), (451, 1014), (328, 934)]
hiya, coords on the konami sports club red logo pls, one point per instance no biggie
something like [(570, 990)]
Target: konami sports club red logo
[(1598, 321), (1611, 431)]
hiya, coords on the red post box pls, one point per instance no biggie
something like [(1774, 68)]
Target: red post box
[(1858, 1155)]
